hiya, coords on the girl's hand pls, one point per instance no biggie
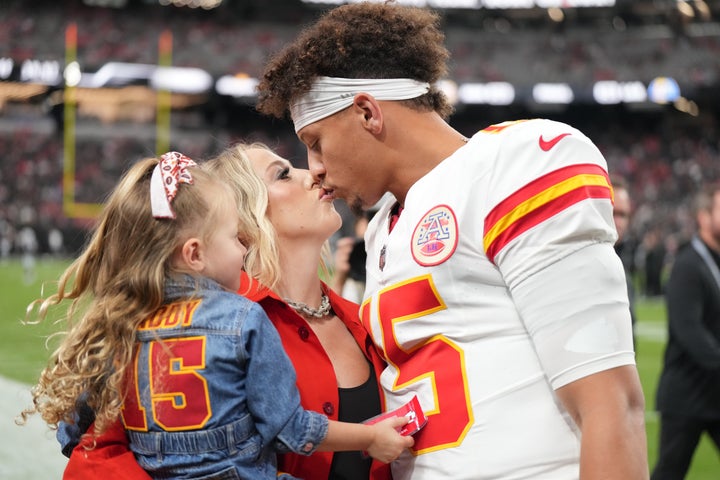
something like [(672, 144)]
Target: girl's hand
[(387, 443)]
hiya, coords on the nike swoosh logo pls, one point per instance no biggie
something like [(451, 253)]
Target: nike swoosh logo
[(546, 146)]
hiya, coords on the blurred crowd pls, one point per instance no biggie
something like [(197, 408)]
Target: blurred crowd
[(664, 167), (34, 173), (238, 41), (664, 170), (664, 156)]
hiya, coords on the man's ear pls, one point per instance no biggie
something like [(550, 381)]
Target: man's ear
[(192, 254), (372, 115)]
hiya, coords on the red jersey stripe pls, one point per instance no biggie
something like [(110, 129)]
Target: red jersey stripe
[(540, 200), (499, 127)]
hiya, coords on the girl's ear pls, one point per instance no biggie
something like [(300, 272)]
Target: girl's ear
[(192, 254)]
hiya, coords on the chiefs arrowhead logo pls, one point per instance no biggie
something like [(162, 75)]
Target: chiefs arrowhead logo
[(435, 237)]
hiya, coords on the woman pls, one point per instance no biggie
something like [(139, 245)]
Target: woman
[(337, 366), (330, 349)]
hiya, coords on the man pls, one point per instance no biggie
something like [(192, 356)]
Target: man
[(688, 395), (621, 216), (492, 286)]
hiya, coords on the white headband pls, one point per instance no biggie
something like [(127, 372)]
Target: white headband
[(329, 95)]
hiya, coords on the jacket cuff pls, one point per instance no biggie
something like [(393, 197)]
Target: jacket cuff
[(303, 433)]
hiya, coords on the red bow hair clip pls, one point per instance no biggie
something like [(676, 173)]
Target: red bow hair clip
[(169, 173)]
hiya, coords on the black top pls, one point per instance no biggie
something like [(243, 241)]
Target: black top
[(690, 380), (356, 404)]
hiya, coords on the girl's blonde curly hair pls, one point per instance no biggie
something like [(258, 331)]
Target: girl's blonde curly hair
[(116, 283)]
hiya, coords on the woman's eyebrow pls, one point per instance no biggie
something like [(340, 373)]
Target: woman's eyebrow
[(279, 163)]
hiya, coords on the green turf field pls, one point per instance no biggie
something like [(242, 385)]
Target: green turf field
[(650, 348), (23, 352)]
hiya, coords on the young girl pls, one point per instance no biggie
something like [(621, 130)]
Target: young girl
[(196, 373)]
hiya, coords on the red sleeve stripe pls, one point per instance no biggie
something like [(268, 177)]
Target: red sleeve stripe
[(501, 126), (540, 200)]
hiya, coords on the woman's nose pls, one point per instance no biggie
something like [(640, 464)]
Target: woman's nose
[(308, 181)]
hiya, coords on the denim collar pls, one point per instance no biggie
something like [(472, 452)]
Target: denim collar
[(183, 286)]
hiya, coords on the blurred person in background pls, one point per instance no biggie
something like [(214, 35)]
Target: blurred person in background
[(56, 242), (6, 240), (27, 244), (336, 364), (622, 209), (688, 394), (654, 261), (349, 261), (492, 286)]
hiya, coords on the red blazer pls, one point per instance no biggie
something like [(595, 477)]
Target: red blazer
[(111, 457), (315, 374)]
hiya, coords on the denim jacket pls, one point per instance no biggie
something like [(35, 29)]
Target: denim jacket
[(212, 394)]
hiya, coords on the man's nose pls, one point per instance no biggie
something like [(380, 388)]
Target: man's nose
[(316, 167)]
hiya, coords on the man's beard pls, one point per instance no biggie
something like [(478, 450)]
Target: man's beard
[(356, 206)]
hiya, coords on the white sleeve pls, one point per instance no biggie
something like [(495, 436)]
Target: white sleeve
[(576, 311)]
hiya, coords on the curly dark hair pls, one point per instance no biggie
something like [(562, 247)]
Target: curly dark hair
[(362, 40)]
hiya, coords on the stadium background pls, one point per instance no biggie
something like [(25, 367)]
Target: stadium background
[(88, 87)]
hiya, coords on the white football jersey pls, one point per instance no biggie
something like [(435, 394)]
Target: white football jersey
[(498, 285)]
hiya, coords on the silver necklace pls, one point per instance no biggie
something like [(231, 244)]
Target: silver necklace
[(302, 308)]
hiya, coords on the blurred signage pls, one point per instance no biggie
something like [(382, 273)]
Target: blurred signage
[(574, 3), (115, 74), (557, 93), (491, 93), (611, 92), (44, 72), (181, 80), (172, 79), (490, 4), (6, 68), (663, 90), (198, 82), (236, 86)]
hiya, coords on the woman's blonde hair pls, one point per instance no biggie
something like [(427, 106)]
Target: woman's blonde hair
[(116, 283), (235, 168), (262, 261)]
